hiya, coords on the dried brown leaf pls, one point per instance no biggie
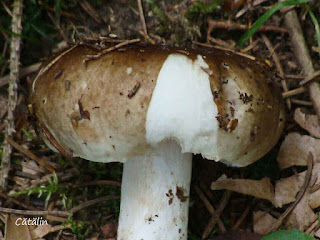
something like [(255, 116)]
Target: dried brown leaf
[(257, 188), (308, 122), (262, 221), (16, 231), (41, 231), (295, 150), (109, 229), (286, 189), (302, 215)]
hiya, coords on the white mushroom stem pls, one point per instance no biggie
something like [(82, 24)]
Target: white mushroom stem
[(155, 195)]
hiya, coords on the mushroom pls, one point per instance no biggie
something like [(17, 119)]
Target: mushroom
[(151, 108)]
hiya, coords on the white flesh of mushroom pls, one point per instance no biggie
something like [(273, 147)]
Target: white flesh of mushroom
[(180, 121)]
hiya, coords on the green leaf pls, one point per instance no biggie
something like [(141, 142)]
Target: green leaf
[(265, 17), (292, 234), (316, 25)]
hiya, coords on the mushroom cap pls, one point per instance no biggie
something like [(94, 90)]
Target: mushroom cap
[(107, 109)]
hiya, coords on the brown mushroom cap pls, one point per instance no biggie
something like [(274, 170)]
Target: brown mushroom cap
[(97, 110)]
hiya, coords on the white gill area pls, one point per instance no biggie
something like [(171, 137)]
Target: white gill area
[(182, 106)]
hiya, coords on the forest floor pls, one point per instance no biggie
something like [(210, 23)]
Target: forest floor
[(280, 191)]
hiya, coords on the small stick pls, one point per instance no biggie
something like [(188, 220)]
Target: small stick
[(107, 50), (34, 213), (16, 27), (61, 32), (242, 218), (24, 72), (102, 182), (54, 142), (91, 11), (92, 202), (298, 77), (303, 189), (301, 51), (278, 65), (15, 201), (225, 49), (213, 220), (311, 77), (209, 207), (29, 154), (228, 25), (220, 42), (313, 226), (301, 102), (142, 19), (294, 92)]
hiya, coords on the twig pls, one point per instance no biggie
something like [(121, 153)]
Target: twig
[(303, 56), (209, 207), (311, 77), (301, 102), (278, 65), (61, 32), (298, 77), (24, 72), (142, 19), (58, 213), (54, 142), (91, 11), (107, 50), (13, 85), (242, 218), (34, 213), (213, 220), (92, 202), (16, 201), (221, 42), (294, 92), (102, 182), (303, 189), (29, 154), (225, 49), (228, 25), (312, 226)]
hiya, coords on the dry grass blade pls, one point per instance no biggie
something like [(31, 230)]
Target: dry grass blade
[(299, 196)]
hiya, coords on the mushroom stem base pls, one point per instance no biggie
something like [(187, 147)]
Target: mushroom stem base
[(155, 195)]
